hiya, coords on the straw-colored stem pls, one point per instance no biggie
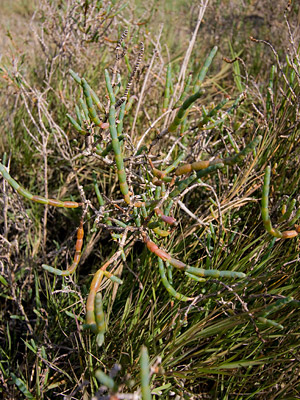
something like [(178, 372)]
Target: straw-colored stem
[(270, 91)]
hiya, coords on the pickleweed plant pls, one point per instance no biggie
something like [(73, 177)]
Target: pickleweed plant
[(149, 194), (139, 210)]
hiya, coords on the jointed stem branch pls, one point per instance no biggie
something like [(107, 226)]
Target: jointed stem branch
[(73, 266), (265, 211), (38, 199), (115, 141)]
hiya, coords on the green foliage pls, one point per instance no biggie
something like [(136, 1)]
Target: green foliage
[(182, 287)]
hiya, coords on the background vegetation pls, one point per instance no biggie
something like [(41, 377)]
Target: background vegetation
[(214, 347)]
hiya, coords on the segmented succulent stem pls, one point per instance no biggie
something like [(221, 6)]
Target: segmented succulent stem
[(38, 199), (90, 105), (265, 212), (296, 217), (155, 249), (112, 277), (182, 185), (75, 76), (204, 69), (71, 269), (214, 273), (145, 374), (167, 219), (207, 116), (265, 206), (239, 157), (167, 284), (230, 110), (168, 206), (93, 95), (194, 277), (183, 110), (185, 89), (137, 217), (78, 115), (108, 148), (85, 110), (204, 168), (184, 267), (76, 125), (100, 319), (271, 308), (175, 164), (97, 191), (90, 304), (121, 119), (91, 320), (286, 215), (195, 166), (105, 379), (202, 165), (115, 141), (161, 232)]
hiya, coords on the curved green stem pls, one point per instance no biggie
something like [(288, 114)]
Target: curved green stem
[(167, 284), (38, 199), (115, 141), (265, 205)]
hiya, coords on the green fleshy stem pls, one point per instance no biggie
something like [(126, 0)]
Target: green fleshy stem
[(38, 199), (265, 205), (90, 105), (167, 284)]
